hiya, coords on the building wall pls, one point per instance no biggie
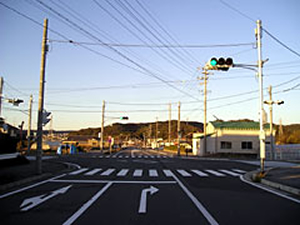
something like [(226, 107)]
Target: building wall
[(229, 137)]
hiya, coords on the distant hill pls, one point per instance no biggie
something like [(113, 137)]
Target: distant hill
[(139, 130)]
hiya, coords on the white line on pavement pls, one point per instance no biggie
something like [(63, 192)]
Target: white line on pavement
[(200, 173), (78, 171), (107, 172), (198, 204), (122, 173), (115, 181), (153, 173), (269, 190), (215, 173), (77, 214), (184, 173), (138, 173), (93, 172), (31, 186), (230, 173)]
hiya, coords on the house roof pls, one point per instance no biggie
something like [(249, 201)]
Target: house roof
[(238, 125)]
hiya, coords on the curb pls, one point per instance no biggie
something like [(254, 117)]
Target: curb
[(4, 187), (248, 176), (282, 187), (69, 166)]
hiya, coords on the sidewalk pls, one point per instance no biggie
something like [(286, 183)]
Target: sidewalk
[(21, 171), (286, 179), (283, 176)]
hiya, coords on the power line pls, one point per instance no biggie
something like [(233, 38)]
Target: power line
[(155, 45), (264, 29)]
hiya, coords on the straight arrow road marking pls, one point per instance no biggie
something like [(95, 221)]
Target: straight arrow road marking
[(37, 200), (143, 201)]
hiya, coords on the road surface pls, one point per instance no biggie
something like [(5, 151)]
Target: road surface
[(147, 187)]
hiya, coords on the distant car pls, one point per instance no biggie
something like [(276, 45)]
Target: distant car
[(66, 149)]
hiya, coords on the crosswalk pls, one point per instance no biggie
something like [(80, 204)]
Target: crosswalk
[(155, 173), (133, 156)]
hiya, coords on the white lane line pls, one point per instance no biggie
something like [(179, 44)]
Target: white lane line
[(32, 186), (115, 181), (153, 173), (200, 173), (215, 173), (93, 172), (239, 171), (123, 173), (230, 173), (138, 173), (77, 214), (78, 171), (108, 172), (184, 173), (269, 190), (196, 202), (168, 173)]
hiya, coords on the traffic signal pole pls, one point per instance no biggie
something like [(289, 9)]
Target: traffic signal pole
[(41, 100), (102, 128), (262, 135), (205, 113)]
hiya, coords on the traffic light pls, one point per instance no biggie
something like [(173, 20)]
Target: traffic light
[(46, 118), (124, 118), (219, 64)]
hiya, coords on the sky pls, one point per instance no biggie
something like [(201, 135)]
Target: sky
[(140, 56)]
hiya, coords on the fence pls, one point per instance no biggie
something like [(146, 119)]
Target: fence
[(284, 152)]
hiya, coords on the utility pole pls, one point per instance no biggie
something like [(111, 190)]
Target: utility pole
[(1, 91), (262, 135), (156, 132), (41, 100), (271, 122), (178, 130), (205, 72), (270, 102), (102, 127), (169, 138), (29, 124)]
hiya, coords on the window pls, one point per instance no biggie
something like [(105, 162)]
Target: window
[(247, 145), (225, 145)]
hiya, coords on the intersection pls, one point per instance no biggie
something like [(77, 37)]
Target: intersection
[(147, 187)]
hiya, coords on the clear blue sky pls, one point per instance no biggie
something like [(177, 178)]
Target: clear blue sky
[(78, 80)]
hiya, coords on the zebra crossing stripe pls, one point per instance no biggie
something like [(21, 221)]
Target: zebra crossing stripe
[(230, 173), (215, 173), (153, 173), (122, 173), (184, 173), (108, 172), (200, 173), (168, 173), (93, 172), (78, 171), (239, 171), (138, 173)]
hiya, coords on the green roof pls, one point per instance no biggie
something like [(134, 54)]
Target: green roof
[(239, 125)]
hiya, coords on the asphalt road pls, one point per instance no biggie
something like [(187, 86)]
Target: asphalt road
[(147, 187)]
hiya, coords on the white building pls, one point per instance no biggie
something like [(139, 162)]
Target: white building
[(230, 137)]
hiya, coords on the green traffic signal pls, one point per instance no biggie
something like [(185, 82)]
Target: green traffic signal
[(213, 62)]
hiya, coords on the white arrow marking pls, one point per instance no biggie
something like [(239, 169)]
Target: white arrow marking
[(143, 201), (34, 201)]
